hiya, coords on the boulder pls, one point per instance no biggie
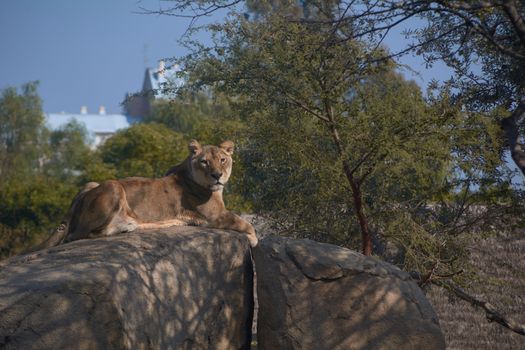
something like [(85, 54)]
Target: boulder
[(320, 296), (175, 288)]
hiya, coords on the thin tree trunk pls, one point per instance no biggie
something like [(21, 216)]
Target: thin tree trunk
[(511, 127), (515, 18), (366, 239), (358, 203), (511, 124)]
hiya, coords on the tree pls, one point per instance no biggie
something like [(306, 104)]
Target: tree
[(22, 146), (22, 132), (302, 90), (186, 114), (70, 154), (484, 43), (36, 184), (147, 150)]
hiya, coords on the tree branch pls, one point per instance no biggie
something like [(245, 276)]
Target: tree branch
[(304, 107), (198, 10), (481, 30), (516, 19), (492, 314)]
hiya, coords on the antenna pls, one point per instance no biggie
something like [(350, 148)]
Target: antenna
[(145, 53)]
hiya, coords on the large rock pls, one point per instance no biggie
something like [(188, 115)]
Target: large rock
[(176, 288), (320, 296)]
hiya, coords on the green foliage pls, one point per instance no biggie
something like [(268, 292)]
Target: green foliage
[(32, 207), (98, 171), (38, 169), (147, 150), (70, 152), (489, 62), (21, 131), (198, 116)]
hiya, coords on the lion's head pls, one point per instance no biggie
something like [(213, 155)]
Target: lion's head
[(211, 166)]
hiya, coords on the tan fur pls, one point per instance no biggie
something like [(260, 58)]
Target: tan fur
[(191, 194)]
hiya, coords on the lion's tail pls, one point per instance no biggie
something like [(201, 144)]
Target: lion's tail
[(55, 239)]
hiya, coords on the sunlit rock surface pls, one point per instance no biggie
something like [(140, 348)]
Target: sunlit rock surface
[(175, 288), (320, 296)]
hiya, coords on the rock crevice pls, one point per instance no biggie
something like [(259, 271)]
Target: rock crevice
[(328, 297)]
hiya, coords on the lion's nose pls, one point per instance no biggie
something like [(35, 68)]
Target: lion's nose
[(216, 176)]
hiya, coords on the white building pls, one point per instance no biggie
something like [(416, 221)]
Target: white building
[(99, 126), (159, 83)]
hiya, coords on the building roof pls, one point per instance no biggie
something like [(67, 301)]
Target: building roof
[(163, 81), (94, 123)]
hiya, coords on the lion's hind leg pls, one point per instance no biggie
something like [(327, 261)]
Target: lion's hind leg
[(102, 211)]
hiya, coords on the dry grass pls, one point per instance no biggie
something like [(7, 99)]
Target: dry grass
[(501, 262)]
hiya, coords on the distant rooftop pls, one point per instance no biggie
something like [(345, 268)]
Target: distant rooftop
[(99, 126), (95, 123), (159, 83), (162, 80)]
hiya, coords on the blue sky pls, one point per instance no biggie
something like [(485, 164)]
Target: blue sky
[(92, 52), (83, 52)]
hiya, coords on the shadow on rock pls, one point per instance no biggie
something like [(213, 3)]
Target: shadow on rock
[(319, 296), (175, 288)]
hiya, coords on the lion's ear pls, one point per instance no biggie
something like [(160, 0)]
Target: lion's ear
[(195, 147), (227, 146)]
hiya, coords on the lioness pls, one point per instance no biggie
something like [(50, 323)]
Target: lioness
[(191, 194)]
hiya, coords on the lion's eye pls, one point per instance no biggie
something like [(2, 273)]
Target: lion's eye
[(223, 160), (204, 162)]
